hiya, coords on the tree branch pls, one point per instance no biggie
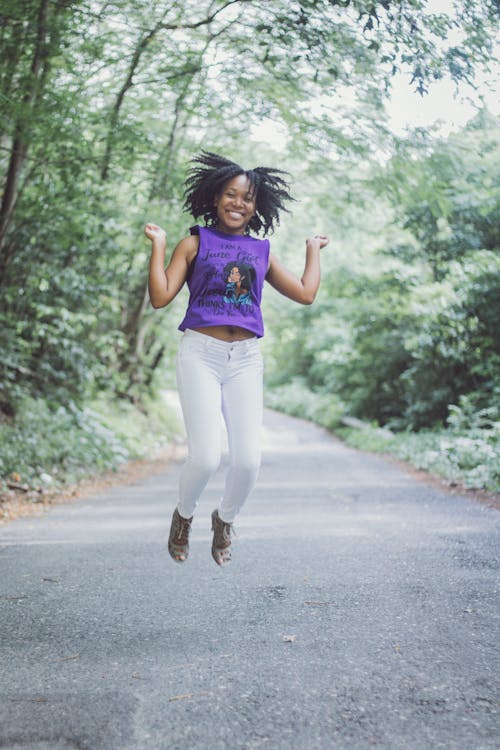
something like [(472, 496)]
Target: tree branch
[(19, 143)]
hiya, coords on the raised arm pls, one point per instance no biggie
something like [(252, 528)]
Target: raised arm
[(301, 290), (165, 283)]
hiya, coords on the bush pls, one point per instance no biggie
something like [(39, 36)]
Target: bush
[(56, 445), (296, 399), (467, 451), (469, 457)]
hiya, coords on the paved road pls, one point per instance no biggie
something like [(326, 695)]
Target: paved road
[(359, 612)]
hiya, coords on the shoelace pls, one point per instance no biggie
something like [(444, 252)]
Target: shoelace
[(183, 535), (224, 530)]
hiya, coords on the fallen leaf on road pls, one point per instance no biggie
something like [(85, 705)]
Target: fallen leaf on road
[(180, 697), (185, 696), (67, 658), (289, 638)]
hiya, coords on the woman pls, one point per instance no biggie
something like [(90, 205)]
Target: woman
[(219, 364)]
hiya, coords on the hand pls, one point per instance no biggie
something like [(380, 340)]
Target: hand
[(319, 241), (154, 232)]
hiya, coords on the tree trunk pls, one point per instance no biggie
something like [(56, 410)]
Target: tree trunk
[(160, 183), (115, 113), (19, 146), (129, 80)]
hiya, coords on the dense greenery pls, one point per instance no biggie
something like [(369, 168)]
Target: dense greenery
[(47, 447), (401, 339), (409, 339), (102, 104)]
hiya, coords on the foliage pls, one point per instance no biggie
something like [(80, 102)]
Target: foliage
[(102, 104), (73, 441), (465, 453), (53, 446), (407, 337), (447, 195), (296, 399), (469, 458), (143, 431), (393, 339)]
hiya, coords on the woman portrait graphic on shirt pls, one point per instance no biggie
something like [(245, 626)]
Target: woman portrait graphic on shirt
[(238, 283)]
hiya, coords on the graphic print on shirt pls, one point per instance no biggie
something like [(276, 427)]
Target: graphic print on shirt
[(225, 282), (239, 278)]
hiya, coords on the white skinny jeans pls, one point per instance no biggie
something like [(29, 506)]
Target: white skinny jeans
[(215, 377)]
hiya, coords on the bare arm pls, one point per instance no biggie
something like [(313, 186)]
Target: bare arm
[(301, 290), (165, 283)]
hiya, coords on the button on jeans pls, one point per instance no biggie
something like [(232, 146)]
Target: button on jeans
[(215, 377)]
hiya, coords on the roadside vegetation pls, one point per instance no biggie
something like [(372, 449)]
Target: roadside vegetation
[(464, 451), (103, 104), (405, 334), (46, 448)]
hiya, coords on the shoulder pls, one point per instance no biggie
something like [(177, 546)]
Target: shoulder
[(188, 247)]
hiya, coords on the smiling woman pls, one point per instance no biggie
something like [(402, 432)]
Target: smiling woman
[(235, 205), (219, 365)]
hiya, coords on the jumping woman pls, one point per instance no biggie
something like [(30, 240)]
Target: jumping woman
[(219, 364)]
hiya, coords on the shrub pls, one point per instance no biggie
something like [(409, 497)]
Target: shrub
[(60, 444)]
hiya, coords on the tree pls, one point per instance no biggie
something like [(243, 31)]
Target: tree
[(102, 105), (406, 328)]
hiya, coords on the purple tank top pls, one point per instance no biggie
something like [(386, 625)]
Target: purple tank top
[(225, 281)]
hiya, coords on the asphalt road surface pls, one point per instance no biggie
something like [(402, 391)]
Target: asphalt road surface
[(359, 612)]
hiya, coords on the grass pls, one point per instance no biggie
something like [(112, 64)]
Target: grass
[(466, 451), (51, 446), (470, 458)]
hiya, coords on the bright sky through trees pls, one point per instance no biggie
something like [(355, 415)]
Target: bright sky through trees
[(443, 108), (441, 105)]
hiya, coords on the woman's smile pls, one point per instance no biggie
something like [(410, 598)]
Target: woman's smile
[(235, 205)]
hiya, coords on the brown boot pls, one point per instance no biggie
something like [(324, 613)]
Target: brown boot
[(221, 545), (178, 540)]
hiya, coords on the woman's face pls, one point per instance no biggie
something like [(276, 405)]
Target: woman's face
[(235, 205), (235, 276)]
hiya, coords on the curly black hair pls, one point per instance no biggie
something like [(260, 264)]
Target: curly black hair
[(205, 182)]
